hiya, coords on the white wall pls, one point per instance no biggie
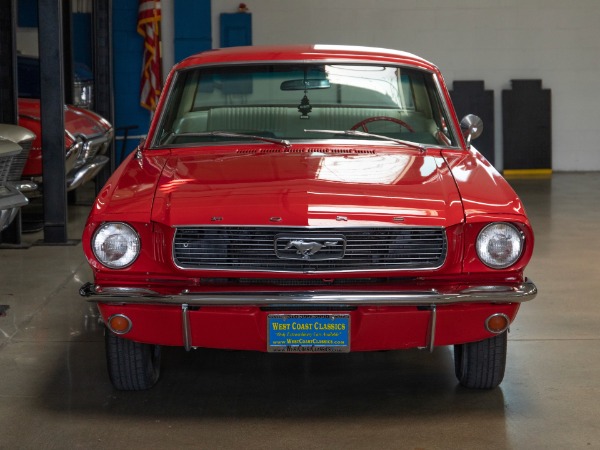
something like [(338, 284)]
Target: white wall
[(492, 40)]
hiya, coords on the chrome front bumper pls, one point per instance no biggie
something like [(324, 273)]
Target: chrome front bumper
[(483, 294), (86, 158), (10, 202), (85, 173), (75, 177)]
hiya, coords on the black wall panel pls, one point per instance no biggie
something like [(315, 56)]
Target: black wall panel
[(527, 133), (470, 97)]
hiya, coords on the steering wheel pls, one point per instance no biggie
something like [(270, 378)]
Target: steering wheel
[(363, 123)]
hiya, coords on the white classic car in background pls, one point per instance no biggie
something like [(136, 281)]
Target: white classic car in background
[(15, 142)]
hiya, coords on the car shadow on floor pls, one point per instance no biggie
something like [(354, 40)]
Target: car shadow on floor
[(208, 383)]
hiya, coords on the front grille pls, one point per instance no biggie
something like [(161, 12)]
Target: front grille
[(5, 164), (290, 282), (257, 248), (19, 161)]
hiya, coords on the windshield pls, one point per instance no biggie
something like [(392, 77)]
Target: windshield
[(303, 101)]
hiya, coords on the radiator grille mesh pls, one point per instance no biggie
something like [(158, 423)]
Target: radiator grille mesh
[(268, 248)]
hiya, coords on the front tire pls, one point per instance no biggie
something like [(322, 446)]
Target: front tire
[(132, 366), (481, 365)]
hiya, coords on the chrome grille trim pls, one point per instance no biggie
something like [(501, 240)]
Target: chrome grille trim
[(19, 161), (5, 164), (253, 249), (92, 147)]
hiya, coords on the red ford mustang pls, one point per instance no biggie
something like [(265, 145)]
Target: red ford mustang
[(307, 199)]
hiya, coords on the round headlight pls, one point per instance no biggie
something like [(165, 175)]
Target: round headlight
[(116, 245), (499, 245)]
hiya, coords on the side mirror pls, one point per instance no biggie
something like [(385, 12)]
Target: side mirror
[(138, 150), (471, 127)]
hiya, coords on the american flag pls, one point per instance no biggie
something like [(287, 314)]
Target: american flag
[(149, 27)]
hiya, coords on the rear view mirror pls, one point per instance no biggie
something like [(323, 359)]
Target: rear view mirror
[(304, 85)]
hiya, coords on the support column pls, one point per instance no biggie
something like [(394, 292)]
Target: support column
[(8, 93), (53, 120), (103, 76), (67, 51), (8, 62)]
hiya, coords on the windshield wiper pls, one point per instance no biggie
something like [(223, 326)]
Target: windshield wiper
[(364, 134), (283, 142)]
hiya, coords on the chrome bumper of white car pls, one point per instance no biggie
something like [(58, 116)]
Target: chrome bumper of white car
[(516, 293), (10, 202)]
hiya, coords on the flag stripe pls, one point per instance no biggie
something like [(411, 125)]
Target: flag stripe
[(148, 26)]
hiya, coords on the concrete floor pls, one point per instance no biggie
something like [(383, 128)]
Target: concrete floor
[(55, 393)]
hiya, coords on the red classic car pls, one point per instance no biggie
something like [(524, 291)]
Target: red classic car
[(307, 199), (87, 137)]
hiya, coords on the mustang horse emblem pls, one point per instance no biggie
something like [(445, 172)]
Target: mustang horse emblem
[(307, 249)]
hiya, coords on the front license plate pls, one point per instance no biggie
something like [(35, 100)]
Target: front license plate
[(308, 333)]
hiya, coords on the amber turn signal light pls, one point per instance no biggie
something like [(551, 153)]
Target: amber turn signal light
[(119, 324), (497, 323)]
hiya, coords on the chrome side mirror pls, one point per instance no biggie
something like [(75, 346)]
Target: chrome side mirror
[(138, 150), (471, 127)]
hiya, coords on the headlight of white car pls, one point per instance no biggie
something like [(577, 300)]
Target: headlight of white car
[(499, 245), (116, 245)]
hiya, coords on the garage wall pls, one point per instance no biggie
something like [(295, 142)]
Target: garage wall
[(490, 40)]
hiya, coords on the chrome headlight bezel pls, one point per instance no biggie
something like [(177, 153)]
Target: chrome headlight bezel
[(110, 249), (507, 248)]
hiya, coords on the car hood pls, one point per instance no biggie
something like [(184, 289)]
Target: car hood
[(78, 121), (307, 187)]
